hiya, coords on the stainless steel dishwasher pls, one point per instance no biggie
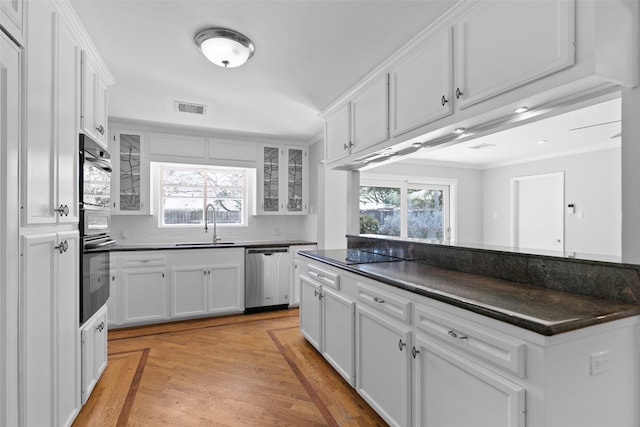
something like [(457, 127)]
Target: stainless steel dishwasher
[(266, 279)]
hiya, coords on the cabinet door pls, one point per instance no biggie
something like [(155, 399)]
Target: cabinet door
[(296, 180), (39, 158), (11, 17), (94, 351), (421, 85), (101, 111), (143, 294), (94, 102), (67, 77), (337, 134), (310, 313), (226, 288), (189, 291), (452, 391), (113, 303), (492, 59), (370, 114), (271, 165), (338, 332), (383, 363), (130, 177)]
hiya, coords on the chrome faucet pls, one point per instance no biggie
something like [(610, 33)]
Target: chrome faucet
[(216, 238)]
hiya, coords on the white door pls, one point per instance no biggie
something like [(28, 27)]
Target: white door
[(189, 291), (310, 314), (370, 114), (143, 294), (538, 214), (338, 332), (338, 134), (226, 288)]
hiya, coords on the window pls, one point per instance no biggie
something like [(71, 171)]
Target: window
[(187, 191), (420, 211)]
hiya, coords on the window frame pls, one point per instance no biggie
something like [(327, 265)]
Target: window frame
[(158, 185), (405, 183)]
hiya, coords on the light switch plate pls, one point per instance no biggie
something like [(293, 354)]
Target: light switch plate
[(600, 362)]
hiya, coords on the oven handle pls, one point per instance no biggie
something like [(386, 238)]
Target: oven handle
[(99, 245), (105, 165)]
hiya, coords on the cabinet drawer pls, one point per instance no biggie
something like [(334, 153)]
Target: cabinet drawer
[(323, 276), (388, 303), (501, 350), (145, 260)]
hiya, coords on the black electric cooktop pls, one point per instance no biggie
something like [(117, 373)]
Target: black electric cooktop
[(355, 256)]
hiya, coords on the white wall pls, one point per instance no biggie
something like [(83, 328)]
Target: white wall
[(592, 184), (468, 221)]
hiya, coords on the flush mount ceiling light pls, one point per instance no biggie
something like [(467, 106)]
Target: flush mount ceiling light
[(542, 141), (459, 131), (521, 110), (224, 47)]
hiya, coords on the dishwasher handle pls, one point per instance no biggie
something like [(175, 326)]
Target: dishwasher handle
[(267, 251)]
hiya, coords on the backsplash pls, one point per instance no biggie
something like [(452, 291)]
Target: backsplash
[(129, 229), (613, 281)]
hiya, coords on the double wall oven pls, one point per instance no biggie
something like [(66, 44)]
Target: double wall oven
[(95, 221)]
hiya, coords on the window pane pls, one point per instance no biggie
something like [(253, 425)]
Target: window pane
[(380, 210), (182, 210), (182, 177), (425, 214), (181, 191)]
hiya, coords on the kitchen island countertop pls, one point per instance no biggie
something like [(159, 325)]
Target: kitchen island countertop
[(541, 310), (205, 245)]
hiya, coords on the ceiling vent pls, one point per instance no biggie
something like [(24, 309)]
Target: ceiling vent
[(481, 146), (186, 107)]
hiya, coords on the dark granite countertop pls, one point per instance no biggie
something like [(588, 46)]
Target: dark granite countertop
[(205, 245), (544, 311)]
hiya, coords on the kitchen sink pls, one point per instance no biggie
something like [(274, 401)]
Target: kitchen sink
[(205, 244)]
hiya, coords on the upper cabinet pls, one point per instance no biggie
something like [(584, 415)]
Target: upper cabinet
[(421, 84), (501, 45), (94, 102), (282, 181), (361, 122), (12, 18), (130, 176)]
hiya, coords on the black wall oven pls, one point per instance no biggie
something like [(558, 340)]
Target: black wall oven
[(95, 221)]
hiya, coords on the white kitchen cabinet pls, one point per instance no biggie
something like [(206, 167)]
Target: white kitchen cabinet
[(94, 102), (337, 133), (370, 114), (298, 264), (50, 147), (12, 18), (113, 306), (420, 84), (143, 288), (189, 285), (10, 140), (94, 351), (533, 40), (327, 318), (226, 286), (383, 365), (282, 181), (50, 357), (452, 391), (130, 177)]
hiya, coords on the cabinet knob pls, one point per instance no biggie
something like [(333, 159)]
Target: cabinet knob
[(414, 352), (100, 129), (401, 344), (456, 335), (62, 247), (62, 210), (458, 93), (378, 300), (443, 100)]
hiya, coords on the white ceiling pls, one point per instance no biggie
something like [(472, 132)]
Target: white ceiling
[(307, 54), (595, 127)]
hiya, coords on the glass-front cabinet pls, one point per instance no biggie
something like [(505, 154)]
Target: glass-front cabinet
[(282, 181), (130, 176)]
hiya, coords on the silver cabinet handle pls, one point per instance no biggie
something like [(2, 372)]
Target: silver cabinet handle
[(62, 210), (320, 276), (443, 100), (100, 129), (458, 93), (100, 327), (455, 335), (62, 247), (378, 300), (414, 352), (401, 344), (204, 271)]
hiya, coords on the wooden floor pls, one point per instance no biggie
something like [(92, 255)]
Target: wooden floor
[(244, 370)]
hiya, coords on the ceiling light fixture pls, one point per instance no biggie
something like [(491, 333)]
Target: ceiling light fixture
[(521, 110), (542, 141), (459, 131), (224, 47)]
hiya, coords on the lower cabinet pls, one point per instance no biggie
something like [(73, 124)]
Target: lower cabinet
[(94, 351), (383, 365), (144, 294), (452, 391), (50, 359), (327, 321)]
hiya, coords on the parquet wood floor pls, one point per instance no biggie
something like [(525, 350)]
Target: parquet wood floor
[(243, 370)]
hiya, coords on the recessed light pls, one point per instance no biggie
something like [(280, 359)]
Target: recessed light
[(459, 130), (542, 141), (417, 144), (521, 110)]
